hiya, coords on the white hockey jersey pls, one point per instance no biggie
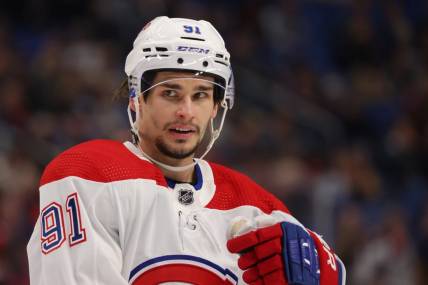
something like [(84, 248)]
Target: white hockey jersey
[(108, 216)]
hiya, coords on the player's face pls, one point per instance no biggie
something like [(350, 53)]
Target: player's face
[(175, 115)]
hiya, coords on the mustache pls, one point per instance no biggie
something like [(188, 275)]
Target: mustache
[(189, 124)]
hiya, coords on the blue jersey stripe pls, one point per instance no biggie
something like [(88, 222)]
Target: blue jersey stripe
[(152, 261)]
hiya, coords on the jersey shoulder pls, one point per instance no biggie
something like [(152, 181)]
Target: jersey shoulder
[(100, 161), (234, 189)]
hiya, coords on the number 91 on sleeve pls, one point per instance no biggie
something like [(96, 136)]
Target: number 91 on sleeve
[(53, 232)]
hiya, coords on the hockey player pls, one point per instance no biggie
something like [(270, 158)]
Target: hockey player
[(150, 211)]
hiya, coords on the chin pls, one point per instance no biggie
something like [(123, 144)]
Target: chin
[(178, 150), (183, 152)]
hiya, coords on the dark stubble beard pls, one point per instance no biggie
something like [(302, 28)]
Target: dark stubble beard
[(177, 154)]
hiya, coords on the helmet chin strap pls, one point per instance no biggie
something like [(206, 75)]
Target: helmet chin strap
[(166, 166), (213, 133)]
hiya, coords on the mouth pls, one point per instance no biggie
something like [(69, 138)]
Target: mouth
[(182, 132)]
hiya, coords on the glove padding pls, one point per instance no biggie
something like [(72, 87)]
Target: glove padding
[(332, 268), (286, 253)]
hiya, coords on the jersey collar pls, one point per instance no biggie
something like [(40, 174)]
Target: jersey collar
[(198, 183)]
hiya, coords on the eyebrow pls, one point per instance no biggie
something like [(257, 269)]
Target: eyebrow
[(178, 86)]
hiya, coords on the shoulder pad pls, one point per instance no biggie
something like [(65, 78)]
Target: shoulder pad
[(100, 161), (234, 189)]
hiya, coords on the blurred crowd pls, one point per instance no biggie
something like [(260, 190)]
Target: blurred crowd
[(331, 113)]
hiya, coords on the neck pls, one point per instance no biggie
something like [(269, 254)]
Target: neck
[(182, 176), (186, 175)]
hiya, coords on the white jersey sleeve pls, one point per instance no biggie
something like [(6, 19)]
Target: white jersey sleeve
[(75, 240), (85, 224)]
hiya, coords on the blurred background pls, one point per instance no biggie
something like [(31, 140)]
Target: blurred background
[(331, 113)]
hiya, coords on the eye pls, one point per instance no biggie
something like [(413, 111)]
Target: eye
[(169, 93), (200, 95)]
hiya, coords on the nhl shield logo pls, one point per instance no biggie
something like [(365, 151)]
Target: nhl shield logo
[(185, 196)]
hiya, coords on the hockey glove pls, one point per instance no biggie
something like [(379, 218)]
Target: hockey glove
[(285, 253)]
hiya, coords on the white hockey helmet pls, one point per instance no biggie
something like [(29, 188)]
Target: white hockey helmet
[(183, 45), (180, 44)]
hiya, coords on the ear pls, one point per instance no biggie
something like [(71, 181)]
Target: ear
[(215, 110), (132, 104)]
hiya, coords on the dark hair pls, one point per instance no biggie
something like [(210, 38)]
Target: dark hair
[(122, 91)]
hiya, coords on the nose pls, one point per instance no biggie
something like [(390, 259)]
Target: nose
[(185, 108)]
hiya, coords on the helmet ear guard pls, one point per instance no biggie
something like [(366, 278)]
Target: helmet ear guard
[(176, 44)]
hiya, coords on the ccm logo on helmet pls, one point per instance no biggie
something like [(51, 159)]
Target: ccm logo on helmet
[(193, 49)]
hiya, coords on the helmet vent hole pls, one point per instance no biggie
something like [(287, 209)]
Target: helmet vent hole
[(205, 63), (180, 60), (147, 49), (225, 64), (193, 39), (219, 55), (161, 49)]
